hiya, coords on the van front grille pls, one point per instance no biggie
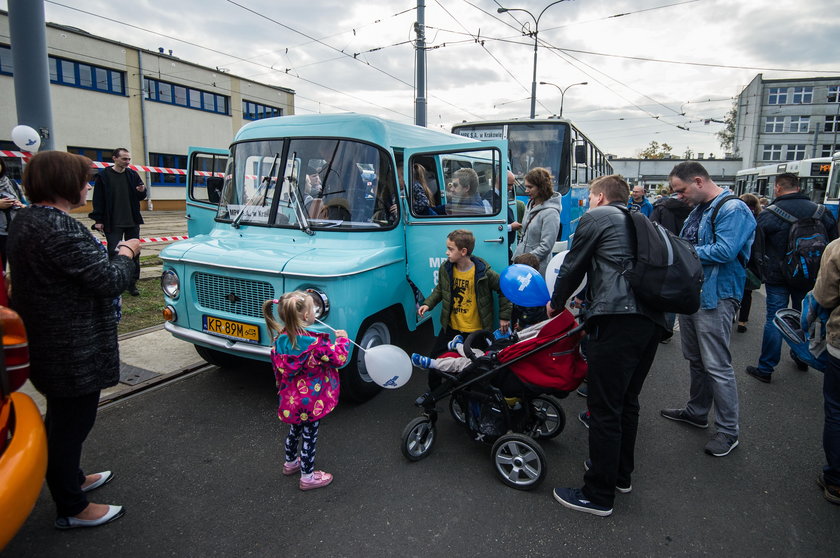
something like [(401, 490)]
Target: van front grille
[(230, 294)]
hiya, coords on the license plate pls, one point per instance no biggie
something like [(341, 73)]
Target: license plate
[(231, 329)]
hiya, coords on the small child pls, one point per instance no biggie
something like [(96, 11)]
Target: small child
[(524, 316), (465, 286), (305, 365), (453, 362)]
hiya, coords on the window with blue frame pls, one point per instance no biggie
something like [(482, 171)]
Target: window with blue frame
[(102, 154), (74, 74), (170, 161), (257, 111), (165, 92)]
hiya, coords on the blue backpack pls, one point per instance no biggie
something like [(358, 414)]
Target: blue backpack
[(807, 240)]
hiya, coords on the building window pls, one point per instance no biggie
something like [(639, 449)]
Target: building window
[(796, 152), (799, 124), (778, 96), (774, 125), (829, 149), (771, 152), (74, 74), (164, 92), (834, 93), (169, 161), (803, 95), (832, 124), (256, 111)]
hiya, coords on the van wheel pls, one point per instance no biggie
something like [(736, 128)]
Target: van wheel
[(218, 358), (356, 384)]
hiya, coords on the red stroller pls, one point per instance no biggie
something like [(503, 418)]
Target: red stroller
[(508, 397)]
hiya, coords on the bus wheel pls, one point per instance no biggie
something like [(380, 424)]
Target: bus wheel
[(356, 384), (218, 358)]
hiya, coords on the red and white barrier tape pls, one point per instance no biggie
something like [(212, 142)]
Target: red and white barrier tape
[(25, 155), (159, 239)]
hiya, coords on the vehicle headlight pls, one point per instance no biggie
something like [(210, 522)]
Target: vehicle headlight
[(322, 303), (170, 283)]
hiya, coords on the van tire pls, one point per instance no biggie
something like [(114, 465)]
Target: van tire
[(356, 385), (218, 358)]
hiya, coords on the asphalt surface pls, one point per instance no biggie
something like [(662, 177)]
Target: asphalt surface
[(198, 462)]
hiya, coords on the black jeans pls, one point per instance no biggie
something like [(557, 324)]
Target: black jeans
[(620, 351), (124, 233), (746, 304), (68, 422)]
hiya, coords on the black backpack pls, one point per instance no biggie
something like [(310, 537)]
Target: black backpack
[(666, 274), (755, 266), (806, 243)]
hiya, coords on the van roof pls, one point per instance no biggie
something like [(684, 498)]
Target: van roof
[(362, 127)]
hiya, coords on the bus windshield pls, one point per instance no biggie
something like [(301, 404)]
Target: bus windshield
[(536, 146), (309, 184)]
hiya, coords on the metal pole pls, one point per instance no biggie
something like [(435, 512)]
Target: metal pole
[(149, 203), (27, 30), (420, 53), (534, 80)]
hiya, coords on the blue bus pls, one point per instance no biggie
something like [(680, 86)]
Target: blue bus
[(324, 204), (555, 144), (832, 193)]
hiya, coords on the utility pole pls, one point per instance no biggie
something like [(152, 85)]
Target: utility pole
[(27, 30), (420, 53)]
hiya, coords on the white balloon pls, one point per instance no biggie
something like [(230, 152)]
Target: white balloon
[(26, 138), (554, 268), (388, 366)]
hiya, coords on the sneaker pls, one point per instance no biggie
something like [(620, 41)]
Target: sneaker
[(682, 416), (574, 499), (290, 468), (583, 390), (758, 375), (830, 491), (742, 328), (622, 489), (583, 417), (421, 361), (319, 479), (457, 340), (721, 444)]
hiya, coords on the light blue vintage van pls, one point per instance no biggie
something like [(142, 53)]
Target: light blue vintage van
[(333, 205)]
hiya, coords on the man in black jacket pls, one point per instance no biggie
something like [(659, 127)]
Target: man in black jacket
[(776, 230), (117, 193), (618, 359)]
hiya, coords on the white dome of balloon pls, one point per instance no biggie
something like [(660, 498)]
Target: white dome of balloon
[(388, 366), (26, 138), (554, 268)]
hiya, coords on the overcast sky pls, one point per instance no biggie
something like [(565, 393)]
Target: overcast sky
[(663, 64)]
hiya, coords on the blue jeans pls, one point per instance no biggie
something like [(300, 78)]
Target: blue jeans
[(771, 343), (831, 427), (705, 344)]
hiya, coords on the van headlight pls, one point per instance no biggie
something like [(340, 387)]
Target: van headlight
[(322, 303), (170, 284)]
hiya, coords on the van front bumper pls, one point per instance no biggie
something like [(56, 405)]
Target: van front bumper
[(213, 342)]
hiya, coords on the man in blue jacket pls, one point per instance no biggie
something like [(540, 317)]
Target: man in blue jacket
[(776, 230), (638, 202), (705, 334)]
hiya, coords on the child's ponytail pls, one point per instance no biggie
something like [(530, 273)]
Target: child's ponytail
[(290, 309)]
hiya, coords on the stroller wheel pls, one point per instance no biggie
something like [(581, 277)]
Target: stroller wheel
[(456, 409), (550, 416), (519, 461), (417, 438)]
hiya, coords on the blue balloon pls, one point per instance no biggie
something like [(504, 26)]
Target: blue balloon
[(523, 285)]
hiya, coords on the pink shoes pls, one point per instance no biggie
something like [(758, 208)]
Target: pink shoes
[(291, 468), (319, 480)]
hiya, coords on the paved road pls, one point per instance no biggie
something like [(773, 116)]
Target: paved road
[(198, 467)]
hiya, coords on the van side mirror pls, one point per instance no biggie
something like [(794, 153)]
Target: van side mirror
[(214, 188), (580, 154)]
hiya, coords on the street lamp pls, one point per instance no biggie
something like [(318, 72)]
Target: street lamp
[(534, 34), (563, 91)]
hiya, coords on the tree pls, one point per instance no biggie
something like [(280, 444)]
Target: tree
[(655, 151), (726, 137)]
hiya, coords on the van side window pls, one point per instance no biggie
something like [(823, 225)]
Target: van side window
[(456, 184)]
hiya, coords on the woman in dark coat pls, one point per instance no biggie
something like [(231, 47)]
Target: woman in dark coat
[(67, 292)]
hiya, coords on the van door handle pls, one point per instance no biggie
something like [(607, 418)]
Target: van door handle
[(499, 240)]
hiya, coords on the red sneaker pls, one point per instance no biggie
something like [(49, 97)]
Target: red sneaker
[(319, 480)]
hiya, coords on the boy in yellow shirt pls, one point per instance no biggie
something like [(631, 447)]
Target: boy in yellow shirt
[(465, 286)]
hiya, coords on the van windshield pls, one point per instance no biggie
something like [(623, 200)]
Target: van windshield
[(310, 184)]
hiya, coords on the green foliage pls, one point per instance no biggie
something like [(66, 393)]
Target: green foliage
[(726, 137), (655, 151)]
